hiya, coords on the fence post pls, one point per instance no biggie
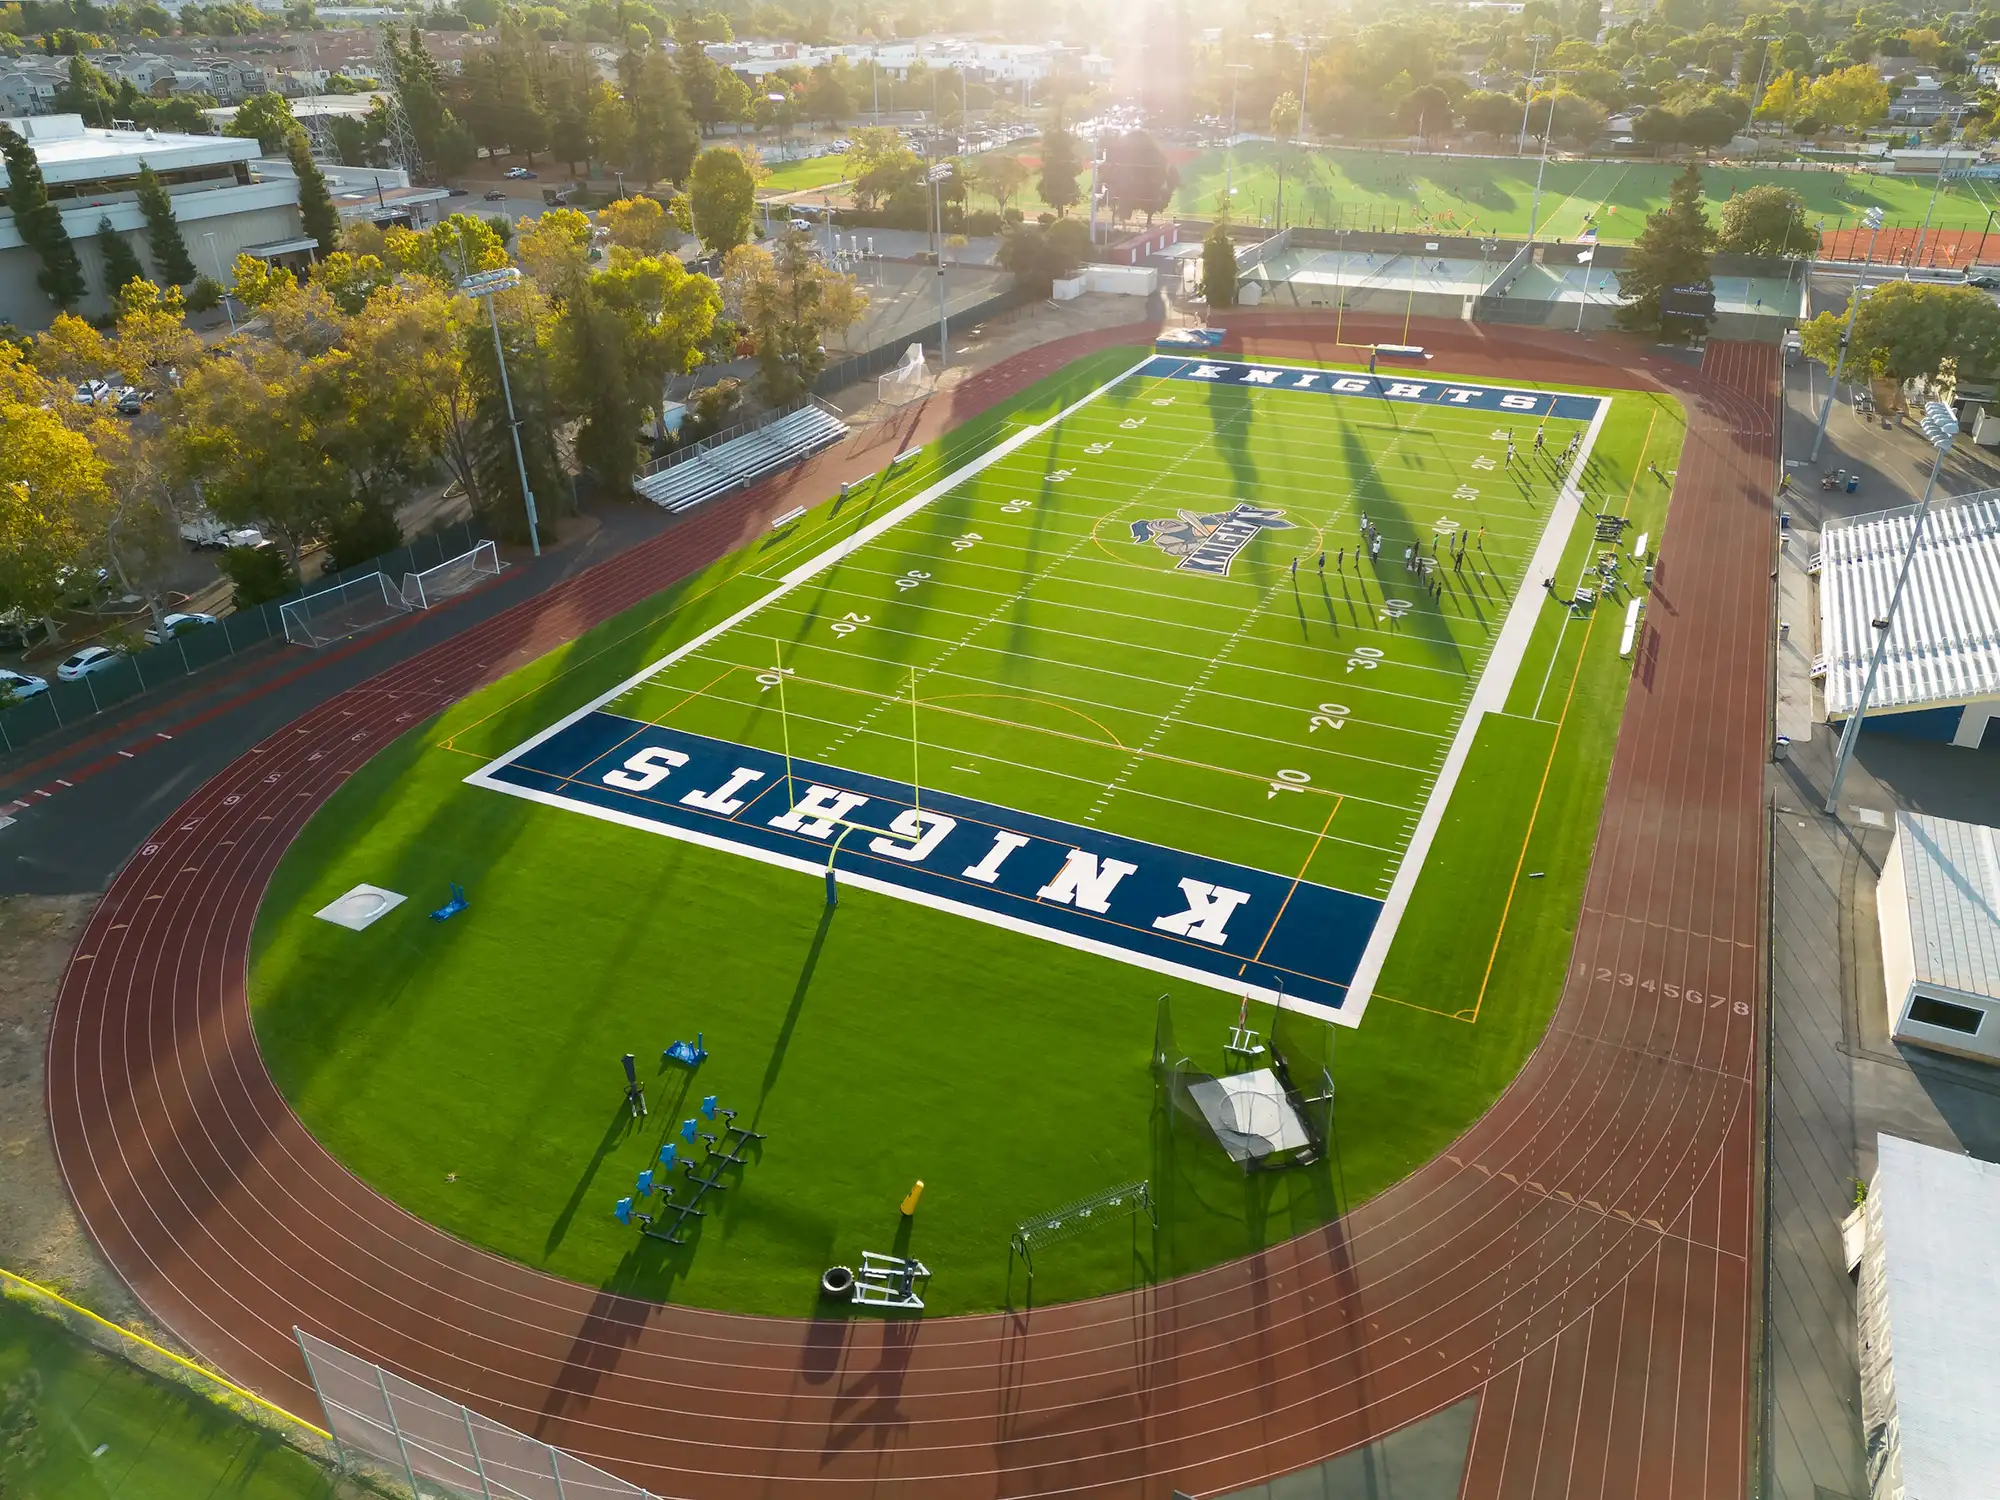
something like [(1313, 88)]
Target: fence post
[(134, 659), (6, 743), (181, 645), (555, 1468), (95, 706), (478, 1463), (389, 1405), (312, 1374)]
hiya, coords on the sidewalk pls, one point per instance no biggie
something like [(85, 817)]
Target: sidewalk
[(1836, 1079)]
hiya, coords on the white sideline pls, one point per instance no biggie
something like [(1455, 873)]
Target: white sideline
[(1509, 649)]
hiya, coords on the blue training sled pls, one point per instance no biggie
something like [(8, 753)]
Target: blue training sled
[(453, 907)]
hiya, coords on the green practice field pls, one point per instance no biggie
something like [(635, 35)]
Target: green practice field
[(1493, 195), (810, 172), (1020, 641), (77, 1424)]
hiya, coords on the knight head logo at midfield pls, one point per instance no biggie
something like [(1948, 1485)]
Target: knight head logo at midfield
[(1208, 542)]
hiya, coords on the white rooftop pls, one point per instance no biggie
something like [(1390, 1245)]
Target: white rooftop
[(1945, 647), (1951, 878), (1940, 1217), (68, 151)]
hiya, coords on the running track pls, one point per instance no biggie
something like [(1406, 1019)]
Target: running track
[(1581, 1258)]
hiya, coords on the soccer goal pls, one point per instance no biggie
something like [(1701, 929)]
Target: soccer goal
[(451, 577), (909, 381), (345, 609)]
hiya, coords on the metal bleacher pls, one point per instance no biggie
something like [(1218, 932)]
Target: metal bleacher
[(1945, 646), (684, 480)]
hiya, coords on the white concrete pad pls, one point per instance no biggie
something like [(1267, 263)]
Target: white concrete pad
[(360, 906)]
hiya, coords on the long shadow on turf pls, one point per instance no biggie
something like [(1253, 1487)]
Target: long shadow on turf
[(621, 1125), (784, 1039)]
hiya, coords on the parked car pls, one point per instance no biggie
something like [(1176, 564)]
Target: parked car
[(798, 223), (91, 392), (519, 174), (205, 533), (458, 193), (18, 632), (494, 195), (14, 686), (81, 664), (178, 624), (132, 401), (1984, 282)]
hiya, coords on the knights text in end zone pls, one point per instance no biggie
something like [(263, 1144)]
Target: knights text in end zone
[(1466, 395), (1205, 920)]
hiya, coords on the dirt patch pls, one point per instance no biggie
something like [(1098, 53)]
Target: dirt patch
[(40, 1235)]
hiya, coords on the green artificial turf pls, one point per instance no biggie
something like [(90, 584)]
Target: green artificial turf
[(1446, 193), (470, 1071), (76, 1423), (809, 172)]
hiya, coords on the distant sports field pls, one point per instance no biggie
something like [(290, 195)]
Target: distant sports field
[(1108, 694)]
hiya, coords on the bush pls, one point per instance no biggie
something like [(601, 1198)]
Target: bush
[(711, 409), (204, 296), (259, 574), (363, 534), (983, 222)]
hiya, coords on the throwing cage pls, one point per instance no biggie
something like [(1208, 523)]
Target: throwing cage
[(451, 577), (345, 609), (1276, 1116)]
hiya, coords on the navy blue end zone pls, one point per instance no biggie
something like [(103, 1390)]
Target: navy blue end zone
[(1411, 390), (1217, 923)]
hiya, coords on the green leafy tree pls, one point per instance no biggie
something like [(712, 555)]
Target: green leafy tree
[(999, 176), (827, 97), (793, 302), (317, 215), (1910, 330), (1218, 267), (1672, 251), (1037, 256), (714, 94), (1062, 163), (39, 223), (594, 374), (1137, 176), (663, 123), (1424, 111), (121, 261), (266, 119), (879, 166), (1767, 220), (1849, 98), (722, 195)]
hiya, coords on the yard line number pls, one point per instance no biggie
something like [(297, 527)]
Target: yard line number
[(1365, 659), (908, 581), (1288, 781), (1328, 716), (848, 623)]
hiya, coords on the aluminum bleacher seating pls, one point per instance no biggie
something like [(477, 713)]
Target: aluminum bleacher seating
[(683, 484)]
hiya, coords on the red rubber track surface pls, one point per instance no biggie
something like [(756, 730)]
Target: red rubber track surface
[(1580, 1259)]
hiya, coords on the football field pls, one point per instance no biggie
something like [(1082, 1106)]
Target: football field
[(1181, 675)]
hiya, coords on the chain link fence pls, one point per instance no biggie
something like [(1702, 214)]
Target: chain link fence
[(389, 1428), (136, 672)]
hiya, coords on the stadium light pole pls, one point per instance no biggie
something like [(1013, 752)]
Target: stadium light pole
[(483, 285), (1236, 72), (1873, 219), (1757, 93), (1521, 146), (1940, 427), (1918, 253), (937, 175)]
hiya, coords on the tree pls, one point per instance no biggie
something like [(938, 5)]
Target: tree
[(827, 97), (639, 225), (317, 215), (51, 489), (555, 249), (121, 261), (1038, 256), (1137, 176), (266, 119), (39, 223), (592, 371), (1908, 330), (1849, 98), (1218, 267), (879, 166), (793, 305), (1671, 252), (1781, 99), (1767, 220), (608, 125), (668, 315), (1492, 114), (1284, 116), (999, 176), (722, 196), (715, 95), (665, 137), (152, 336), (1062, 161), (1424, 111)]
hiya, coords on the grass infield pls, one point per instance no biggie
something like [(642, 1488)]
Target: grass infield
[(470, 1071)]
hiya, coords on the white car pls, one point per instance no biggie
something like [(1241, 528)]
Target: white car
[(94, 392), (81, 664), (178, 624), (14, 686)]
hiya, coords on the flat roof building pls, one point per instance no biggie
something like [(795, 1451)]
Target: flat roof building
[(222, 200), (1938, 906), (1941, 677), (1929, 1324)]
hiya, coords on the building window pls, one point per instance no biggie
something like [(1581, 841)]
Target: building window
[(1934, 1012)]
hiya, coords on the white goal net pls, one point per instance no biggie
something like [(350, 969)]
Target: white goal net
[(345, 609), (451, 577), (909, 381)]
